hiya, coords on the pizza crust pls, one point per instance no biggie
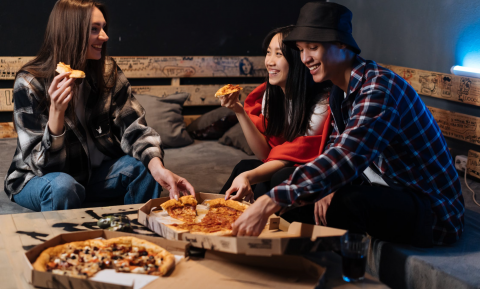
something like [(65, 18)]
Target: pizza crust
[(183, 201), (228, 203)]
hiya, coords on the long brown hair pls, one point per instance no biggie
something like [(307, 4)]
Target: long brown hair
[(66, 40)]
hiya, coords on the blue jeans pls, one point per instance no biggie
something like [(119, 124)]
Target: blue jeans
[(125, 177)]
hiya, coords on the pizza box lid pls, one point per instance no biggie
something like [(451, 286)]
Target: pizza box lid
[(49, 280), (220, 270), (215, 270), (280, 238)]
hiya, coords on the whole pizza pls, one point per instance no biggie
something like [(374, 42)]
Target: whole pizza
[(218, 220), (124, 254)]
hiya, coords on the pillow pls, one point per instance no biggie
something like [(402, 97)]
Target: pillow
[(213, 124), (235, 137), (164, 115)]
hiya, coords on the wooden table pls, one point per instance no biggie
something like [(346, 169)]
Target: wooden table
[(21, 232)]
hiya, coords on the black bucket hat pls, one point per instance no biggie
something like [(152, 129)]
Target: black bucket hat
[(323, 22)]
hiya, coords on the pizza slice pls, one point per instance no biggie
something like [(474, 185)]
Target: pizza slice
[(228, 89), (62, 67), (185, 209), (219, 219)]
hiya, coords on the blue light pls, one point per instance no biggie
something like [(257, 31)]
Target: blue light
[(465, 71), (467, 52)]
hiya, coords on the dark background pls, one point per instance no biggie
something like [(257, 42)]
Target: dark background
[(158, 28), (428, 34)]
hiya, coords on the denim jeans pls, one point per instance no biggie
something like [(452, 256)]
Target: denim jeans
[(113, 179)]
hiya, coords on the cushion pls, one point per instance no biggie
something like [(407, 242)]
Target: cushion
[(164, 115), (213, 124), (235, 137)]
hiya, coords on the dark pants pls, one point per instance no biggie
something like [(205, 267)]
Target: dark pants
[(391, 214), (303, 214)]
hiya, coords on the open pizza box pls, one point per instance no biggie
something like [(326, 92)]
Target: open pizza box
[(214, 270), (278, 238)]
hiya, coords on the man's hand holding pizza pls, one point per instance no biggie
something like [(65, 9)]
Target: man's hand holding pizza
[(253, 220)]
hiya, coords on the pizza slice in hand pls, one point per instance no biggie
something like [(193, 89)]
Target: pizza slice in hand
[(228, 89), (185, 209), (62, 67)]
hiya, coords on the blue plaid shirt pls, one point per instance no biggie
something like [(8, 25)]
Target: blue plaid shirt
[(387, 124)]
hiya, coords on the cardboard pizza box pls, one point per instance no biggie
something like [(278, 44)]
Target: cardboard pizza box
[(214, 270), (280, 237), (146, 218), (49, 280), (220, 270)]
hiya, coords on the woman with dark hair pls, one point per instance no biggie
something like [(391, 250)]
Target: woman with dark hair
[(82, 140), (285, 121)]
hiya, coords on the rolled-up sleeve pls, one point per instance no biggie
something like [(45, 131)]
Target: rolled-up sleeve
[(373, 123), (40, 151)]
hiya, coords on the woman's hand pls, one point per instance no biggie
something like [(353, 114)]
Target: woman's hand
[(321, 208), (60, 92), (175, 184), (241, 185), (232, 101), (253, 220)]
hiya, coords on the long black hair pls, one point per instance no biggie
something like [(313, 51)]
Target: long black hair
[(288, 114)]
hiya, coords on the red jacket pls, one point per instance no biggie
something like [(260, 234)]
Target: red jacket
[(302, 149)]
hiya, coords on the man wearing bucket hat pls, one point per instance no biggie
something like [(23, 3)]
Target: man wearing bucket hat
[(386, 170)]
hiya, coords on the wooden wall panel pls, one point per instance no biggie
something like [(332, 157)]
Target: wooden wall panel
[(199, 94), (457, 125), (441, 85), (6, 103), (10, 65), (167, 66), (473, 164), (7, 130)]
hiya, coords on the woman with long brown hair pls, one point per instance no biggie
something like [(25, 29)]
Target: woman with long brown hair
[(84, 140)]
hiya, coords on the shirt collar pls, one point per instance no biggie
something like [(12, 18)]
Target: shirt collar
[(356, 75)]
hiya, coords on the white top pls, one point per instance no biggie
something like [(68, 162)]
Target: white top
[(319, 116)]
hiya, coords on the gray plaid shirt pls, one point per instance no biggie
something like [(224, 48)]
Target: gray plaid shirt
[(115, 120)]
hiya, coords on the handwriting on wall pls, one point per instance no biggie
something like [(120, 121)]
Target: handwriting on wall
[(473, 164), (165, 67), (6, 99), (441, 85), (457, 125), (10, 65)]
